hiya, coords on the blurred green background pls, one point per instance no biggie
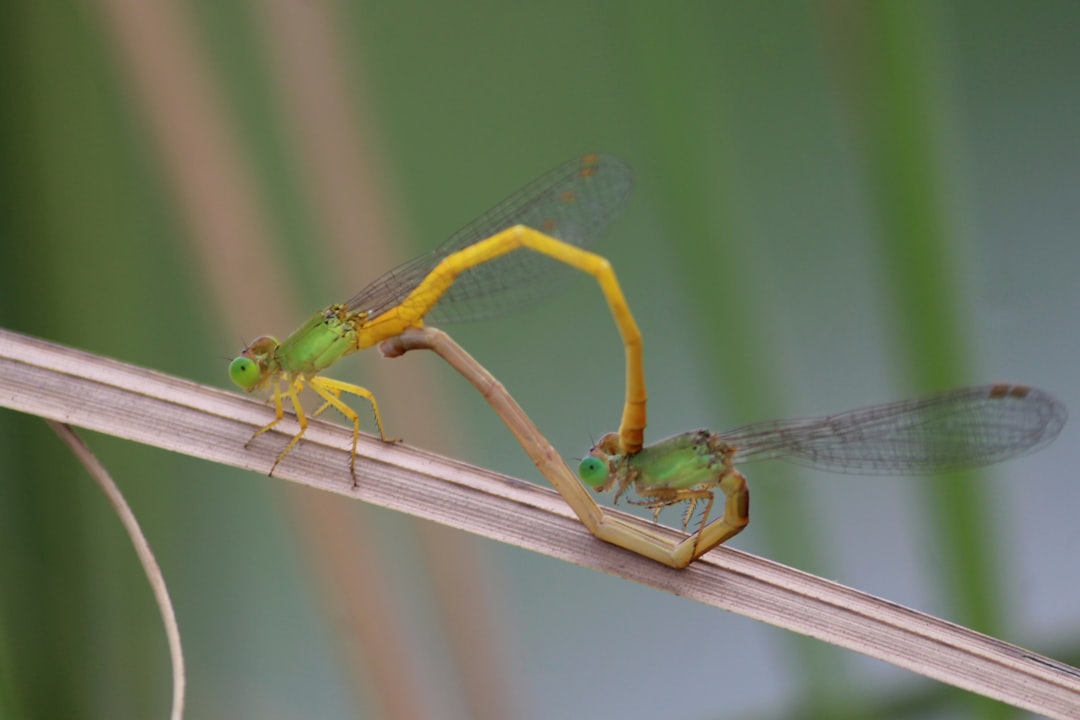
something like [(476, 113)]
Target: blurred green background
[(837, 204)]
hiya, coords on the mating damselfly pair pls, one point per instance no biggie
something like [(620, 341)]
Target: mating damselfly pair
[(515, 253)]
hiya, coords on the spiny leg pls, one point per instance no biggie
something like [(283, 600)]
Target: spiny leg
[(736, 514), (425, 295), (330, 390), (626, 479), (334, 388), (279, 413), (293, 394), (336, 392), (736, 509), (691, 503), (659, 498)]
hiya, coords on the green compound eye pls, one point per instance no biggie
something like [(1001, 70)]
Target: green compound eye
[(244, 372), (593, 471)]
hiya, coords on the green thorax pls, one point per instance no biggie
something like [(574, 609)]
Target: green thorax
[(686, 460), (320, 342)]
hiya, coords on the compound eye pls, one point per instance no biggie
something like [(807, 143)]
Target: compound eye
[(245, 372), (593, 471)]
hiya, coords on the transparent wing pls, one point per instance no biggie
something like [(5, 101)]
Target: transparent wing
[(956, 428), (575, 202)]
